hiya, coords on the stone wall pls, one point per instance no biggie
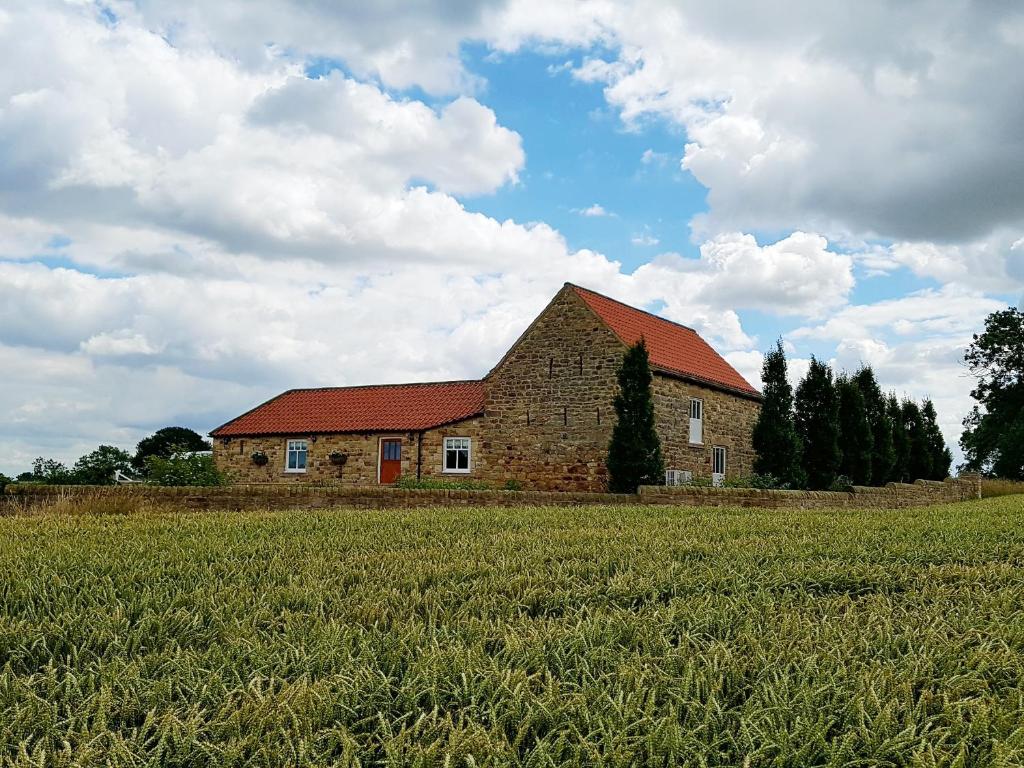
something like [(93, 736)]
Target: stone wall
[(728, 422), (278, 496), (234, 458), (891, 496), (548, 415)]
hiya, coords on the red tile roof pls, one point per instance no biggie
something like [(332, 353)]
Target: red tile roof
[(387, 407), (673, 348)]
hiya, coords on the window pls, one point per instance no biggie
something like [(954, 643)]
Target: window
[(391, 450), (718, 460), (696, 421), (297, 452), (456, 454)]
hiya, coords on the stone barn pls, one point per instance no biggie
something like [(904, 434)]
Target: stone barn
[(542, 417)]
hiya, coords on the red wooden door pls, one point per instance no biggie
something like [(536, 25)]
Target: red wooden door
[(390, 461)]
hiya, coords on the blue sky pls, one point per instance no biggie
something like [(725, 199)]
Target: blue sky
[(198, 212)]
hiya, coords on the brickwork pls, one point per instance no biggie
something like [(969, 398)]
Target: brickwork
[(278, 496), (728, 422)]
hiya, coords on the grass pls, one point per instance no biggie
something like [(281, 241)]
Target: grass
[(544, 636)]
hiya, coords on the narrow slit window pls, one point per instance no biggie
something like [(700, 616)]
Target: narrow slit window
[(551, 367)]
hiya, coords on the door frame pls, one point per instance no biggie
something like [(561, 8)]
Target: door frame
[(380, 453)]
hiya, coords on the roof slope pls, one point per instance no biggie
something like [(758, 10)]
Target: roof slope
[(386, 407), (673, 348)]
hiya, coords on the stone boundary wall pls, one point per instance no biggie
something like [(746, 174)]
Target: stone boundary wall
[(277, 496), (892, 496)]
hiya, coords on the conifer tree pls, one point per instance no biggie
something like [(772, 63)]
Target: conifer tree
[(817, 423), (919, 463), (882, 454), (941, 457), (900, 440), (855, 437), (634, 454), (775, 439)]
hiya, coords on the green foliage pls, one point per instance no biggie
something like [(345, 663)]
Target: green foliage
[(440, 483), (98, 467), (634, 454), (940, 456), (919, 466), (883, 455), (513, 485), (993, 438), (900, 440), (817, 423), (4, 482), (856, 440), (842, 483), (778, 447), (182, 469), (626, 636), (51, 472), (166, 442), (25, 477)]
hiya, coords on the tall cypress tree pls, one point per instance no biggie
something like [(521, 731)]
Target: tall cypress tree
[(775, 438), (634, 454), (919, 464), (882, 454), (817, 423), (900, 440), (855, 438), (941, 457)]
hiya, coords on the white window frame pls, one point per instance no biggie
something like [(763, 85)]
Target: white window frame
[(696, 421), (469, 456), (289, 450), (716, 451)]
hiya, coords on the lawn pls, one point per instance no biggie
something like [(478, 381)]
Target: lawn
[(597, 636)]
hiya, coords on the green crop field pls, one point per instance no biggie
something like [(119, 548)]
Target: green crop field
[(594, 636)]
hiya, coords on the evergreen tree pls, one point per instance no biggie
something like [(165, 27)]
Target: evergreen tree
[(883, 456), (817, 424), (941, 457), (775, 439), (855, 437), (634, 454), (919, 464), (900, 440)]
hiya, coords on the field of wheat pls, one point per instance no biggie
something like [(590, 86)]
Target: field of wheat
[(596, 636)]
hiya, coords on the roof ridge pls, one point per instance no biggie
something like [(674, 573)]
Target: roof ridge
[(635, 309), (382, 386)]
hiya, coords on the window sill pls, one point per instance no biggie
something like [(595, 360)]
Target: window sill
[(455, 471), (295, 472), (697, 445)]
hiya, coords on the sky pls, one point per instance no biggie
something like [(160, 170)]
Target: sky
[(204, 204)]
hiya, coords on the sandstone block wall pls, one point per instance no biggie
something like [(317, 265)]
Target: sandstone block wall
[(548, 415), (728, 422), (293, 496), (234, 458)]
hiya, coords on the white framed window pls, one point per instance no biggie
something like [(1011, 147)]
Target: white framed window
[(456, 454), (696, 421), (718, 460), (296, 455)]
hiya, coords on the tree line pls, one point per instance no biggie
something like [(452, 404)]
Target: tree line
[(166, 457), (842, 429)]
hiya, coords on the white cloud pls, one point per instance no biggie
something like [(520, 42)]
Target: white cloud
[(595, 210), (644, 239)]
